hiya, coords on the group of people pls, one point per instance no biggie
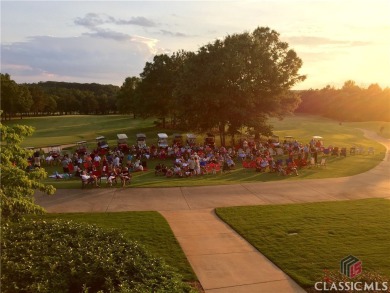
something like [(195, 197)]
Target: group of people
[(91, 168), (187, 160)]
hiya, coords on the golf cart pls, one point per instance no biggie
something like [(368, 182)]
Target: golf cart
[(274, 140), (162, 140), (81, 148), (141, 140), (102, 145), (191, 139), (318, 141), (209, 140), (289, 138), (123, 146), (178, 139)]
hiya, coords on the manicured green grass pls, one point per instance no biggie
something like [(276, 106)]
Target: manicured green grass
[(69, 129), (150, 229), (374, 126), (72, 128), (305, 239)]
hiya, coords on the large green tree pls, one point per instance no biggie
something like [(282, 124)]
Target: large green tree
[(154, 93), (14, 98), (238, 82), (17, 184), (126, 101), (25, 100)]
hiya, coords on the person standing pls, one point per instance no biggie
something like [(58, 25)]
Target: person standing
[(197, 165), (65, 164)]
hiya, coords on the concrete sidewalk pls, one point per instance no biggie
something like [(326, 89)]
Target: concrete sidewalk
[(222, 260)]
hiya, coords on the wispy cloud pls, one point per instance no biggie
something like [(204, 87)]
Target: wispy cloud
[(172, 34), (94, 23), (93, 20), (109, 34), (139, 20)]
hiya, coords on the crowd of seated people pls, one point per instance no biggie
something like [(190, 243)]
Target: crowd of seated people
[(186, 161), (194, 163), (91, 168)]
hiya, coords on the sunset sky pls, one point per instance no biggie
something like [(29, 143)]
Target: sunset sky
[(107, 41)]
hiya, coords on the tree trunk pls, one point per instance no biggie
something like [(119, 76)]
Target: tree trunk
[(222, 133)]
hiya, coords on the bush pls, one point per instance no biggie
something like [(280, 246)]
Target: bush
[(61, 256)]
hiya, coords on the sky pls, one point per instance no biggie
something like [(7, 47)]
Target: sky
[(106, 41)]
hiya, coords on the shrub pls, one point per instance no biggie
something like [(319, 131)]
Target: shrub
[(62, 256)]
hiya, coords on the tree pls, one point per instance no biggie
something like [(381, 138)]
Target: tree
[(40, 99), (238, 82), (14, 98), (126, 96), (158, 81), (51, 105), (24, 101), (18, 185)]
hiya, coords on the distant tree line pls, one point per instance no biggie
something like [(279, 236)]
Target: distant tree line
[(349, 103), (50, 98)]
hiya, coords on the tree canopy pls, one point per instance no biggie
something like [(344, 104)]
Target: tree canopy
[(126, 101), (158, 80), (238, 82), (18, 185)]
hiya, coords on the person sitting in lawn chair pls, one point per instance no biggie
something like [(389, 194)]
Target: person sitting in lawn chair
[(177, 171), (292, 168), (89, 178), (281, 170), (272, 165), (125, 176), (226, 167), (112, 175)]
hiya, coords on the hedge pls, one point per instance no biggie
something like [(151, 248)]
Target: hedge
[(63, 256)]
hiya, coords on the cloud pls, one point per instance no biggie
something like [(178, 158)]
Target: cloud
[(109, 34), (172, 34), (86, 58), (140, 20), (93, 20)]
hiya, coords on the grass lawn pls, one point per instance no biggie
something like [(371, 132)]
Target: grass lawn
[(149, 229), (373, 126), (69, 129), (72, 128), (305, 239)]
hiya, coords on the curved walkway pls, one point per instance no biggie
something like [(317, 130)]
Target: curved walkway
[(223, 260)]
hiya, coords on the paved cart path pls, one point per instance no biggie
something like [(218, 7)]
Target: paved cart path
[(223, 260)]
